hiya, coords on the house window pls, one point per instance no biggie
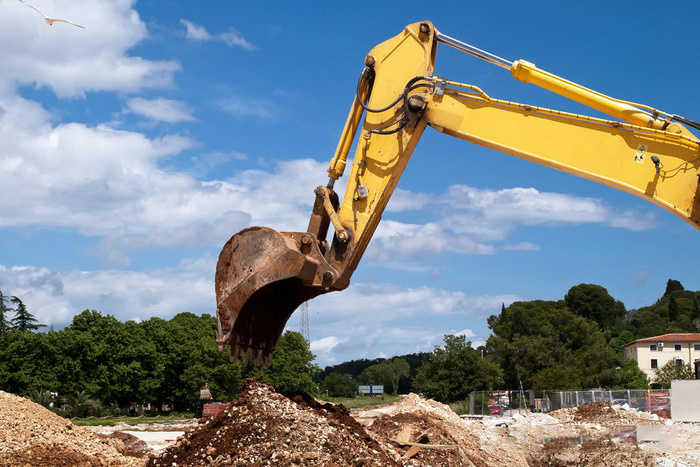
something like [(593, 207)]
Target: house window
[(696, 346), (679, 363), (654, 364), (677, 346), (652, 347)]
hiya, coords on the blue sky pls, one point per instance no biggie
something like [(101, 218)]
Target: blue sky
[(131, 150)]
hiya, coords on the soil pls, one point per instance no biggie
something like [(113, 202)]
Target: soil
[(263, 427), (133, 446), (31, 435)]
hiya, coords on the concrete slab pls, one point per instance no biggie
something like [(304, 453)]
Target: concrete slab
[(684, 400)]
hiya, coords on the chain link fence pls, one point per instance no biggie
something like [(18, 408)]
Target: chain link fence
[(510, 402)]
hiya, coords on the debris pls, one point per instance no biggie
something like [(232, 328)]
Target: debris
[(33, 435), (263, 427)]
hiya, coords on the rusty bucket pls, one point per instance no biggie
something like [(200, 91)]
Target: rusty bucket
[(262, 276)]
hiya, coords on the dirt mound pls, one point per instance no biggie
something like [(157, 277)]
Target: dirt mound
[(419, 439), (604, 413), (420, 432), (263, 427), (596, 412), (604, 451), (133, 446), (31, 435)]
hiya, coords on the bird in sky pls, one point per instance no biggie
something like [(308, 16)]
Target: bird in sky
[(50, 20)]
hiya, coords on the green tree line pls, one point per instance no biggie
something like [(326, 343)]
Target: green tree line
[(125, 365), (22, 321), (573, 343)]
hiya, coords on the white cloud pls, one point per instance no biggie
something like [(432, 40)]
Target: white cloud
[(72, 61), (161, 110), (464, 332), (231, 37), (195, 32), (400, 241), (365, 320), (244, 107), (326, 347), (217, 157), (132, 203), (54, 297), (404, 200), (529, 206), (522, 246), (469, 220)]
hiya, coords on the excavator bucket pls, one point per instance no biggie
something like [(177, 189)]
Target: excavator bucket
[(259, 283)]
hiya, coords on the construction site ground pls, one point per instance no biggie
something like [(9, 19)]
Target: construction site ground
[(262, 427)]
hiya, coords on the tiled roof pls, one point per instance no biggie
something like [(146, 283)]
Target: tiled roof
[(673, 337)]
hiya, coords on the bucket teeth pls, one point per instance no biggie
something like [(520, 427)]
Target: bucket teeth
[(251, 354), (258, 354), (234, 353), (245, 355)]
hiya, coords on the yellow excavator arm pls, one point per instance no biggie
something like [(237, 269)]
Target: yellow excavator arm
[(262, 275)]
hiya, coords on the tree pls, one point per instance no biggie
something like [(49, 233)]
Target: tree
[(291, 369), (673, 369), (395, 370), (23, 320), (42, 397), (544, 345), (339, 385), (4, 309), (372, 375), (671, 286), (81, 403), (387, 372), (672, 308), (594, 302), (455, 370), (556, 377), (632, 376), (189, 357)]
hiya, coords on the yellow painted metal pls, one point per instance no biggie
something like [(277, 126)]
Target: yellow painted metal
[(613, 153), (529, 73), (617, 155), (380, 159), (263, 275), (336, 168)]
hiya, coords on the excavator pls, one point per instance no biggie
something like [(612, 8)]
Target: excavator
[(263, 275)]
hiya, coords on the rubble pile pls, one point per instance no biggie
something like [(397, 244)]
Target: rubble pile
[(31, 435), (601, 434), (438, 437), (607, 414), (262, 427)]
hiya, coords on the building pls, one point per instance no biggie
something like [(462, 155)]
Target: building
[(654, 352)]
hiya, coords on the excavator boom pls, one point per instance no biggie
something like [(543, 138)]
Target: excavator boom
[(263, 275)]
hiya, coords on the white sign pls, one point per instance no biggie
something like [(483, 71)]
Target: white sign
[(371, 389)]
